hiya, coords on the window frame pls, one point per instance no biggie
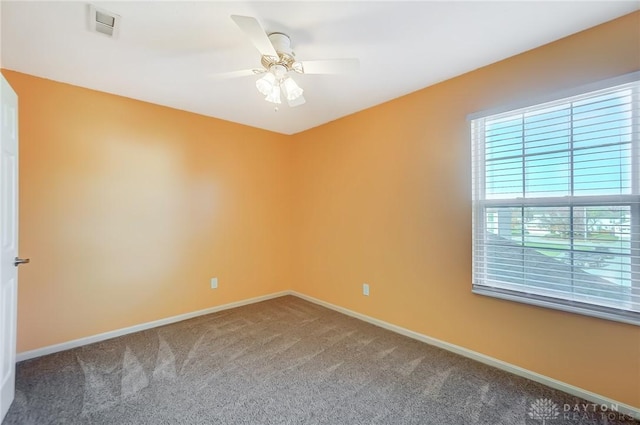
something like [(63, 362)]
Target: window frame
[(632, 200)]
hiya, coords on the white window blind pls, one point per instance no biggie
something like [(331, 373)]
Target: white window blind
[(556, 203)]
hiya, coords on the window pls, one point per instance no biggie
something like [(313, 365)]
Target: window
[(556, 202)]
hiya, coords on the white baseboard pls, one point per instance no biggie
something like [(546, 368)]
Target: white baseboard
[(474, 355), (482, 358), (26, 355)]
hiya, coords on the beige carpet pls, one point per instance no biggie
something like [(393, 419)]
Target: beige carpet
[(283, 361)]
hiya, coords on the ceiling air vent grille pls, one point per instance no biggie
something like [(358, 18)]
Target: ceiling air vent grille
[(103, 21)]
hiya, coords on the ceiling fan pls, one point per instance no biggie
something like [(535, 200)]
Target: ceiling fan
[(278, 60)]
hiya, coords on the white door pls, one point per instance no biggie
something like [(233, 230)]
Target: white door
[(9, 240)]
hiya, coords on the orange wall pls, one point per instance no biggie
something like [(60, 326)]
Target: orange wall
[(127, 209), (384, 197)]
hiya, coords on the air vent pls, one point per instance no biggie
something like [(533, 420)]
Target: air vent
[(103, 21)]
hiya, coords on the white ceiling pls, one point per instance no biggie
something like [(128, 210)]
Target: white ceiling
[(167, 51)]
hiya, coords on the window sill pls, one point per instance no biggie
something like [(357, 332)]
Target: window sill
[(599, 312)]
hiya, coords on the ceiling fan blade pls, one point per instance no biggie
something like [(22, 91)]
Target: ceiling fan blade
[(236, 74), (297, 102), (331, 66), (252, 29)]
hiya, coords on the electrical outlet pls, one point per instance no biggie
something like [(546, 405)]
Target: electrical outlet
[(365, 289), (214, 282)]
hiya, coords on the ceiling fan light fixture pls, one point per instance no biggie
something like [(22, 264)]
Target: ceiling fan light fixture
[(291, 89), (274, 95), (266, 84), (278, 60)]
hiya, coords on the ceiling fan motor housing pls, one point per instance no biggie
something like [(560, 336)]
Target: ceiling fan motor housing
[(281, 42), (282, 45)]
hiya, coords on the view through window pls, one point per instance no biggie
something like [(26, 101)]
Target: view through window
[(556, 203)]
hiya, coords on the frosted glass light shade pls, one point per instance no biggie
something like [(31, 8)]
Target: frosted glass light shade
[(292, 90), (266, 83), (274, 95)]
